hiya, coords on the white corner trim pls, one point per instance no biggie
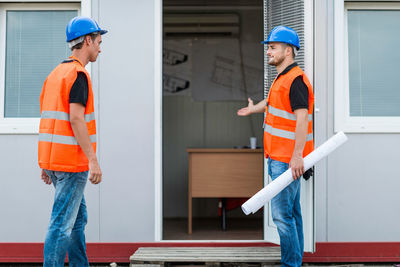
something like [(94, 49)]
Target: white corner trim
[(2, 59), (310, 228), (86, 8), (339, 83), (157, 119)]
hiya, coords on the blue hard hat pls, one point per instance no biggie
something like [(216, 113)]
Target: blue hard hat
[(80, 26), (283, 34)]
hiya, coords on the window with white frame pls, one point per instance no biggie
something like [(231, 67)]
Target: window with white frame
[(32, 43), (368, 97)]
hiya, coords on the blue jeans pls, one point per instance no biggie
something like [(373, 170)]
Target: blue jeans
[(286, 214), (68, 220)]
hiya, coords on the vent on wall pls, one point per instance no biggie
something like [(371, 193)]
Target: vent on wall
[(200, 25)]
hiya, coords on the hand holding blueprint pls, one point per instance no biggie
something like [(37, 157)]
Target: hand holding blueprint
[(275, 187)]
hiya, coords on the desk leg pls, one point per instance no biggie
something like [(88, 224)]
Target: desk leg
[(190, 196), (223, 214), (190, 215)]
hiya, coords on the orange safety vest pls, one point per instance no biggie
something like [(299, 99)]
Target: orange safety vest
[(280, 120), (58, 148)]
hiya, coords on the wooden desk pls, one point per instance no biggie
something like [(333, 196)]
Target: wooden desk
[(223, 173)]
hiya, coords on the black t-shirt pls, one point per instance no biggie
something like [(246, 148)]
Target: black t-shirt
[(298, 97), (298, 94), (80, 90)]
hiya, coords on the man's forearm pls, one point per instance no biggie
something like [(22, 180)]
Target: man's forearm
[(301, 132), (82, 137), (259, 107)]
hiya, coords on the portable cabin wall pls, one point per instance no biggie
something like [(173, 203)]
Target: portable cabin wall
[(356, 187), (127, 83)]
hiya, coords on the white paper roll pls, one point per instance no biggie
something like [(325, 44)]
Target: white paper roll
[(276, 186)]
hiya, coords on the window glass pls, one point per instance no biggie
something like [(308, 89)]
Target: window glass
[(35, 44), (374, 57)]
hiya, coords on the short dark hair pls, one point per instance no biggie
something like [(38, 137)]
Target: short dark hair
[(92, 35)]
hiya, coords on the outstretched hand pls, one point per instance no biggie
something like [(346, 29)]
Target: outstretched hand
[(246, 110)]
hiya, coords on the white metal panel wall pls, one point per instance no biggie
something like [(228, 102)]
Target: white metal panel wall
[(25, 201), (126, 78), (357, 186), (363, 189), (122, 207)]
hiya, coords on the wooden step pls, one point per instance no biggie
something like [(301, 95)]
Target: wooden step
[(210, 256)]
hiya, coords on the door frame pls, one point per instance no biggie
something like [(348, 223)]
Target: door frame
[(307, 191), (158, 96), (158, 27)]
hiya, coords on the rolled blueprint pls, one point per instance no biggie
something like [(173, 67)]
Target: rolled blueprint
[(276, 186)]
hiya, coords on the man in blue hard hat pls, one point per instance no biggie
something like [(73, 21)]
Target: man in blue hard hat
[(288, 136), (67, 144)]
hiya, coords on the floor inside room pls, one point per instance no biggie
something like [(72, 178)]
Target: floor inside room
[(210, 229)]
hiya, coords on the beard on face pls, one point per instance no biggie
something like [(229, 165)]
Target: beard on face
[(271, 62), (277, 60)]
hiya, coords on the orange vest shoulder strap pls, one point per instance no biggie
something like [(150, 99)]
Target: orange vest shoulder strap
[(294, 73), (287, 79)]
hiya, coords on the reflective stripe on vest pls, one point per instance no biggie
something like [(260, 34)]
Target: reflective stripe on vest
[(62, 139), (284, 133), (284, 114), (59, 115)]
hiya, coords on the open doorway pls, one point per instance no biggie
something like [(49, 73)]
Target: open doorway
[(212, 62)]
